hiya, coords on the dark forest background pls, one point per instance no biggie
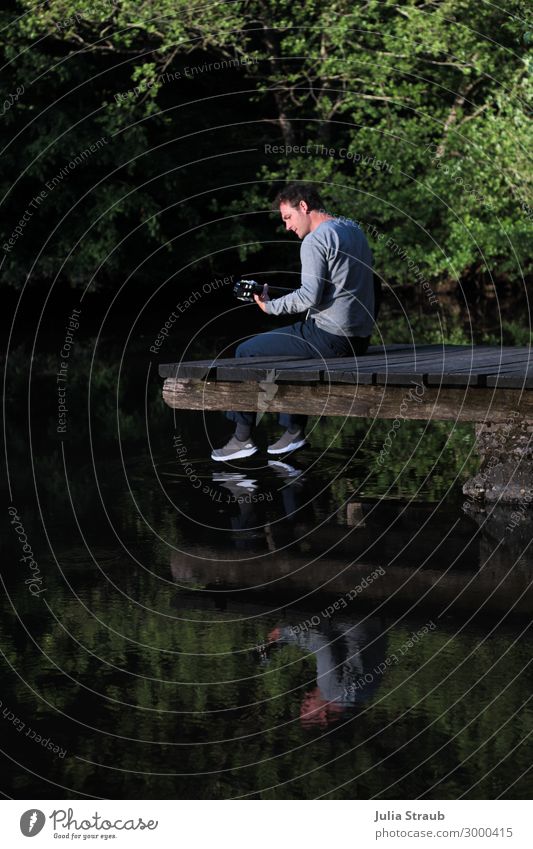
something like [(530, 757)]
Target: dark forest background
[(154, 135)]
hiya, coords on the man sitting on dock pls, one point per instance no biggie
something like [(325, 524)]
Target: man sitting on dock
[(337, 291)]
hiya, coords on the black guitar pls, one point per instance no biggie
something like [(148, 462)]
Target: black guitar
[(244, 290)]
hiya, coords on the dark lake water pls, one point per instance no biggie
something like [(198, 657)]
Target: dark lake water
[(321, 626)]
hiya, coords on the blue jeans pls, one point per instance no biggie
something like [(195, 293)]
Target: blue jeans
[(303, 339)]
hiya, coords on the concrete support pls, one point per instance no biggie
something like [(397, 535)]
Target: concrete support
[(506, 468)]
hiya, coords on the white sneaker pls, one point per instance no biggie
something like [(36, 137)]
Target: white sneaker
[(288, 442), (234, 450)]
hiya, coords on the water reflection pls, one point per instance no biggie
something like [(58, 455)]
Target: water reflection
[(234, 672), (273, 537), (287, 552), (205, 681), (247, 494), (349, 657)]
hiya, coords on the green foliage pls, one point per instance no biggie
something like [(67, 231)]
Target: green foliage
[(418, 128), (414, 119), (512, 333)]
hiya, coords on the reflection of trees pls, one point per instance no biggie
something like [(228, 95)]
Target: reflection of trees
[(168, 649)]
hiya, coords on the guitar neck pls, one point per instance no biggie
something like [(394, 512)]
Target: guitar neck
[(278, 291), (245, 290)]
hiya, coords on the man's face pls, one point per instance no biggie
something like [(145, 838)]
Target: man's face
[(296, 218)]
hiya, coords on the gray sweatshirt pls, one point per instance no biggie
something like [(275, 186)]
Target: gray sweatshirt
[(337, 281)]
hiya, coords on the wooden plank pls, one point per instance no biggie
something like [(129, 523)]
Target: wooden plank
[(394, 370), (478, 374), (486, 367), (251, 368), (461, 365), (400, 368), (517, 369), (510, 381), (479, 378), (494, 360), (328, 370), (200, 368), (476, 355), (304, 370), (447, 361), (466, 378), (399, 348), (423, 369), (495, 356), (362, 376), (271, 372), (341, 369), (399, 378), (260, 369), (447, 404)]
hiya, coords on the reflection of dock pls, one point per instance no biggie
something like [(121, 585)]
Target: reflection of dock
[(434, 557)]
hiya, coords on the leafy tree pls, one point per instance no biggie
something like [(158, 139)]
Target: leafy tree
[(413, 119)]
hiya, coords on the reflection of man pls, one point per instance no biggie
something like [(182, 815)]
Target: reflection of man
[(346, 655), (337, 292)]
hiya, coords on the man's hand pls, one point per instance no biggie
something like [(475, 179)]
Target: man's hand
[(262, 298)]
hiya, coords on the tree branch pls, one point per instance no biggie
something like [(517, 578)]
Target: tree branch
[(452, 116)]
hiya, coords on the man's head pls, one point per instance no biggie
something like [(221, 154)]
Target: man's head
[(300, 207)]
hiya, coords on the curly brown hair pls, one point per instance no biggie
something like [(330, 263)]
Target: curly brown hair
[(293, 193)]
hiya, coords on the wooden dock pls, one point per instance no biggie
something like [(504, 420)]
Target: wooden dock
[(450, 382), (487, 385)]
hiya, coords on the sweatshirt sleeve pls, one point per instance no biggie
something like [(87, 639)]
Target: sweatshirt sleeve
[(314, 275)]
